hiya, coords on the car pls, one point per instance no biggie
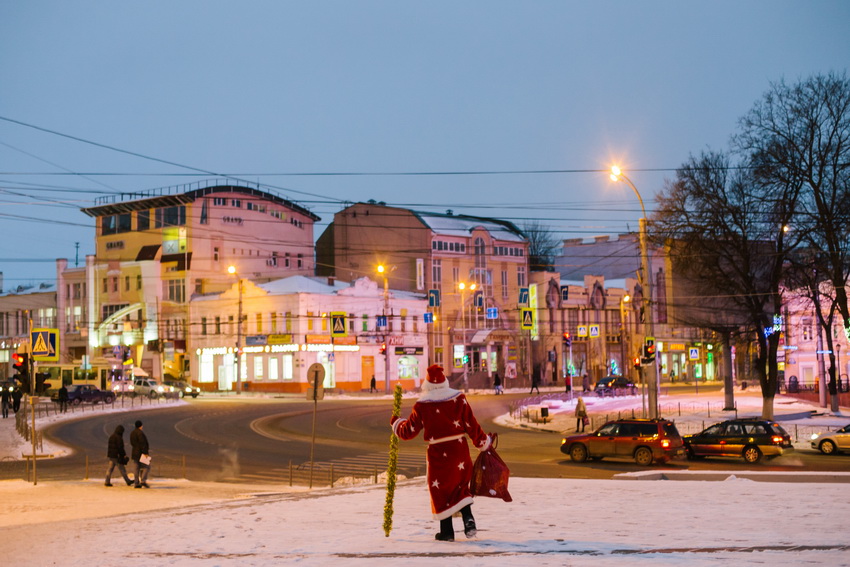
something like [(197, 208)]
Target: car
[(748, 438), (182, 388), (150, 388), (644, 440), (832, 442), (122, 386), (608, 384), (88, 393)]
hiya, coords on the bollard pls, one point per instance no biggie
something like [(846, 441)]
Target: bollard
[(184, 466), (680, 409), (290, 473), (709, 409), (376, 474), (87, 467), (332, 475)]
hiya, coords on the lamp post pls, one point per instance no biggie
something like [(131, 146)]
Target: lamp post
[(646, 285), (625, 351), (462, 287), (385, 272), (232, 271)]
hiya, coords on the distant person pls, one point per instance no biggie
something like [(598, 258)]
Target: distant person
[(497, 383), (445, 417), (568, 383), (17, 394), (581, 414), (62, 398), (673, 376), (117, 456), (372, 387), (535, 383), (5, 400), (139, 443), (585, 383)]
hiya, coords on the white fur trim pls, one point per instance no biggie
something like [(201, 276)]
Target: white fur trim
[(396, 425), (456, 508), (430, 386), (438, 395)]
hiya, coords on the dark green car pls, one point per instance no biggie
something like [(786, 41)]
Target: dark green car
[(749, 439)]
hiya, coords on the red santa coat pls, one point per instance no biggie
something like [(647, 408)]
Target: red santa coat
[(446, 418)]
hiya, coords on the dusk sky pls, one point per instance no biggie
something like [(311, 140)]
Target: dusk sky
[(522, 97)]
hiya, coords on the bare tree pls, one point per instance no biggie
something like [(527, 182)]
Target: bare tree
[(727, 231), (798, 136), (542, 246)]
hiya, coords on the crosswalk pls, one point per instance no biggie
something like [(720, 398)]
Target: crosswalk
[(362, 466)]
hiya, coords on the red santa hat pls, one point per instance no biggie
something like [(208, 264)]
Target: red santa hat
[(436, 379)]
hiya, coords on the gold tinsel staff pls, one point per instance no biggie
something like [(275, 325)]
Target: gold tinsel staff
[(392, 465)]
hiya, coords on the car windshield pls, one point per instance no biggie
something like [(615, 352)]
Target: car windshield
[(670, 429), (845, 429), (780, 430)]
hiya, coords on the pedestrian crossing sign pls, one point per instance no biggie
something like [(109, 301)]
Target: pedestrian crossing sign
[(338, 325), (45, 345), (527, 318)]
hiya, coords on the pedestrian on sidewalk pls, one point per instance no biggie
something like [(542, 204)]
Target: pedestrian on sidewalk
[(117, 456), (372, 387), (497, 383), (446, 419), (141, 452), (5, 400), (581, 414), (17, 394), (62, 398), (535, 383)]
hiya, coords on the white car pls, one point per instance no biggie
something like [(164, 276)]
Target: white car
[(183, 389), (832, 442), (150, 388)]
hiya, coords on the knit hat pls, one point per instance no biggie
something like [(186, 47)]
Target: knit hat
[(436, 379), (138, 423)]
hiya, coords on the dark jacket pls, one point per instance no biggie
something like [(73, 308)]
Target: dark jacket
[(115, 448), (139, 442)]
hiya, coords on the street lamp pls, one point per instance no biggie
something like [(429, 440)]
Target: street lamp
[(462, 287), (646, 286), (232, 271), (385, 272)]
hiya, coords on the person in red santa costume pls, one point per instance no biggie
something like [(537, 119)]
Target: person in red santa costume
[(446, 418)]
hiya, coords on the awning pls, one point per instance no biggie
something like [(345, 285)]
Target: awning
[(480, 337), (139, 372)]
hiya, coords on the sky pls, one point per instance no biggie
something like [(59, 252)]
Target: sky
[(504, 109), (628, 521)]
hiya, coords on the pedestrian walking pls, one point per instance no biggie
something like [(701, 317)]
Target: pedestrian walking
[(62, 398), (497, 383), (585, 383), (535, 383), (117, 456), (140, 454), (17, 394), (445, 417), (5, 400), (581, 414), (372, 387)]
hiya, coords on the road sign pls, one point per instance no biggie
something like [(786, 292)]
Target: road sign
[(45, 345), (527, 318), (338, 325), (429, 317), (433, 298), (478, 299), (523, 296), (594, 331), (582, 331), (565, 293), (492, 313), (381, 321), (316, 381), (693, 354)]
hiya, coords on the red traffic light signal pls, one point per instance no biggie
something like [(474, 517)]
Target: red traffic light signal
[(20, 362), (567, 339), (636, 362), (383, 348)]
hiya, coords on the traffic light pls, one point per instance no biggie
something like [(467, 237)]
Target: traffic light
[(636, 362), (649, 352), (568, 340), (41, 379), (20, 362), (383, 348)]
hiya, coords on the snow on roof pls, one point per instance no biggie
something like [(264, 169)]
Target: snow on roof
[(460, 225), (302, 284)]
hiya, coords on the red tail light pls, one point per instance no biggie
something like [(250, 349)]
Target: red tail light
[(777, 440), (665, 443)]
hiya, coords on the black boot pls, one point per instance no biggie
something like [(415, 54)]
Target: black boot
[(447, 531), (468, 521)]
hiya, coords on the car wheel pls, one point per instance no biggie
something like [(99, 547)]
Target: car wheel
[(152, 395), (194, 395), (181, 394), (578, 453), (827, 447), (108, 399), (643, 456), (77, 401), (751, 454)]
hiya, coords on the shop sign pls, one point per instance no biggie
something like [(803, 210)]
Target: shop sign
[(415, 351)]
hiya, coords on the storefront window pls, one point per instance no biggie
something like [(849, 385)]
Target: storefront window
[(408, 368)]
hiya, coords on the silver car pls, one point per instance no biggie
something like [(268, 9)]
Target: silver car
[(832, 442)]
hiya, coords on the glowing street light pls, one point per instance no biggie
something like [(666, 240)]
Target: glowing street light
[(232, 271), (462, 287), (646, 286), (385, 272)]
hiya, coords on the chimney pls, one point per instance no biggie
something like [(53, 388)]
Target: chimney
[(331, 280)]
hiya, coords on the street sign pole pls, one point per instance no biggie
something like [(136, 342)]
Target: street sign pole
[(317, 373)]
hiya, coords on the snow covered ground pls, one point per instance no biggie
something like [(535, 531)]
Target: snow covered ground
[(551, 522)]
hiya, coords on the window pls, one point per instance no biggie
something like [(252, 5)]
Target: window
[(273, 375), (259, 323), (288, 322), (115, 284), (236, 203), (504, 284), (806, 328), (309, 320), (205, 213), (203, 325), (143, 219), (258, 367), (105, 285), (300, 261), (219, 201), (286, 371), (286, 260), (138, 281), (215, 254), (218, 325), (171, 216), (365, 325), (174, 290), (126, 283), (437, 274), (273, 323), (114, 224), (520, 276)]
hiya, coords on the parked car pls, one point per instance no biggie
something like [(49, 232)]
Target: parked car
[(608, 384), (644, 440), (122, 386), (182, 388), (832, 442), (749, 439), (79, 393), (150, 388)]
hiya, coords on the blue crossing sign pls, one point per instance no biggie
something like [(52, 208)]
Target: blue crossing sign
[(45, 345), (492, 313)]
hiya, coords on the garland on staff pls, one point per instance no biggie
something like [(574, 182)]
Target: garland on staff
[(391, 466)]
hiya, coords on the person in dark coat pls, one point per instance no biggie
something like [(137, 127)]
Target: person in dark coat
[(116, 455), (535, 383), (17, 394), (62, 398), (497, 383), (139, 443), (5, 400)]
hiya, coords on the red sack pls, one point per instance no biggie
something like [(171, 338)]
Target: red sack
[(490, 474)]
